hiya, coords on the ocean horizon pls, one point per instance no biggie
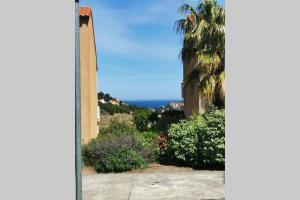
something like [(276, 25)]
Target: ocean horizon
[(151, 103)]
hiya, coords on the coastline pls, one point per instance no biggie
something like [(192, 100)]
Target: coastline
[(151, 103)]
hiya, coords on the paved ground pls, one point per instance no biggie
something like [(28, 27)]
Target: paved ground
[(155, 183)]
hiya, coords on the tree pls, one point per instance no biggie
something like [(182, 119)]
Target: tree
[(107, 98), (100, 95), (204, 47), (141, 119)]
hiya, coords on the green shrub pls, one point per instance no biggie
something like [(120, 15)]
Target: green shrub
[(141, 119), (104, 151), (199, 142), (150, 135), (183, 141), (151, 141), (120, 160), (212, 138)]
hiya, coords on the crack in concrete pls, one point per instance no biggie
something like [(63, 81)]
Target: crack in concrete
[(131, 188)]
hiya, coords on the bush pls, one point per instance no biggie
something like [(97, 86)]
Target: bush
[(120, 160), (150, 135), (151, 140), (182, 144), (212, 139), (199, 142), (141, 119), (119, 143)]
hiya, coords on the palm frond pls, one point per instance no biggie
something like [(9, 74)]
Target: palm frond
[(207, 88), (187, 24), (183, 26), (188, 51), (193, 78), (195, 36), (209, 64), (186, 8)]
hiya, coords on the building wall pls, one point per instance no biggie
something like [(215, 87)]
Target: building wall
[(93, 81), (88, 77)]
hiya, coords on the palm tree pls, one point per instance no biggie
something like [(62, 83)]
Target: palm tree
[(203, 29)]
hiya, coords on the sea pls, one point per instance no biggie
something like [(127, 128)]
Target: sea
[(151, 103)]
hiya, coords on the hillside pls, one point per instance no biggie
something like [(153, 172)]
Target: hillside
[(110, 105)]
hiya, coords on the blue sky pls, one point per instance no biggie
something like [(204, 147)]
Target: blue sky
[(137, 48)]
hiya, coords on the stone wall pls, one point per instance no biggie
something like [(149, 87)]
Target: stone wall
[(105, 120)]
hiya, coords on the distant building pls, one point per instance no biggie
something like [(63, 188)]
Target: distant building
[(88, 76), (115, 102), (102, 101), (176, 106)]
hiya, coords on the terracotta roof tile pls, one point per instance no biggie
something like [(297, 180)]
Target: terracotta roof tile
[(85, 11)]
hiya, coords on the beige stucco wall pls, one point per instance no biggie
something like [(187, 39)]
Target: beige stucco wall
[(88, 73), (193, 102)]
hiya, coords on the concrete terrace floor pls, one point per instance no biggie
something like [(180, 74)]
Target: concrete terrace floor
[(154, 183)]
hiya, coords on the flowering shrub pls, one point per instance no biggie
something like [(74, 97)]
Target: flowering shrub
[(120, 160), (120, 144), (211, 139)]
